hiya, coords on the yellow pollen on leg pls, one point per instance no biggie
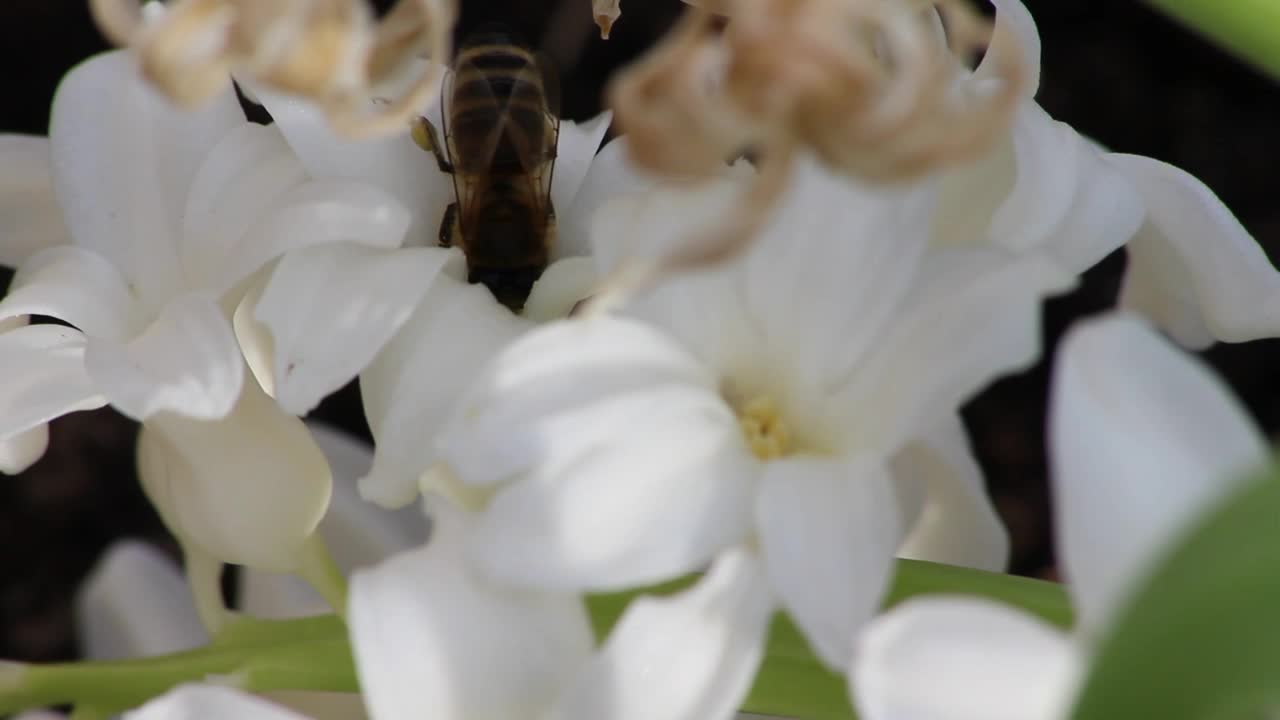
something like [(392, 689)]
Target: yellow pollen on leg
[(765, 430)]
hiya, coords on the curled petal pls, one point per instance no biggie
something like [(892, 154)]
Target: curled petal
[(1105, 213), (21, 451), (685, 657), (828, 532), (124, 160), (318, 213), (30, 219), (1047, 166), (48, 381), (1193, 268), (1142, 439), (136, 603), (249, 489), (1018, 27), (410, 388), (331, 308), (958, 524), (186, 362), (606, 476), (557, 370), (430, 639), (78, 287), (962, 659), (211, 702)]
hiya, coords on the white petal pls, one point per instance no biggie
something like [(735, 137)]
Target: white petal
[(410, 388), (136, 603), (962, 659), (574, 155), (845, 253), (393, 163), (1012, 15), (248, 489), (1047, 165), (317, 213), (186, 362), (78, 287), (48, 380), (690, 656), (210, 702), (1193, 268), (959, 524), (30, 219), (1142, 439), (563, 284), (240, 179), (431, 640), (1105, 213), (505, 420), (611, 175), (21, 451), (652, 224), (123, 163), (973, 316), (631, 490), (828, 532), (356, 532), (331, 308)]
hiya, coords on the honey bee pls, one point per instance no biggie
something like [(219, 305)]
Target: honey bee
[(501, 127)]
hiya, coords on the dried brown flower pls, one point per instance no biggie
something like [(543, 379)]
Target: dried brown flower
[(332, 51), (868, 86)]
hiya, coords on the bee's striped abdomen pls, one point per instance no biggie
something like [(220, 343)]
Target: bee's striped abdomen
[(498, 109)]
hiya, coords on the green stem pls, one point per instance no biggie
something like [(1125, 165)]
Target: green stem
[(313, 653), (1248, 28)]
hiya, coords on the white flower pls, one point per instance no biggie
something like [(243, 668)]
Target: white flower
[(1193, 269), (1142, 439), (168, 212), (759, 405), (31, 221), (429, 636), (435, 331), (137, 604)]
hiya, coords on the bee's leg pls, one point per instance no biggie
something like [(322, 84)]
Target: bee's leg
[(447, 224), (425, 136)]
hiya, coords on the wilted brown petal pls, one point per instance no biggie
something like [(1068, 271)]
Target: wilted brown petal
[(332, 51)]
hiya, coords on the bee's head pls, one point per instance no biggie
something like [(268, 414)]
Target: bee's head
[(510, 286)]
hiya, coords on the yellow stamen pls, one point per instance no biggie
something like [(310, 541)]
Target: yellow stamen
[(765, 430)]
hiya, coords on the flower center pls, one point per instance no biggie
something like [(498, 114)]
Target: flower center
[(766, 432)]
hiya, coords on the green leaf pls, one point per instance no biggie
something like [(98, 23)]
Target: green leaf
[(1248, 28), (1201, 639), (313, 653)]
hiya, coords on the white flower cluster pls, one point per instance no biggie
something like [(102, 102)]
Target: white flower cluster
[(784, 423)]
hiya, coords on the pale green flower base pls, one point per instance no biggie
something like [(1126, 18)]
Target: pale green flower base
[(1249, 28), (313, 654)]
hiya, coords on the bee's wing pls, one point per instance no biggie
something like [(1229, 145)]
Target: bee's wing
[(550, 79)]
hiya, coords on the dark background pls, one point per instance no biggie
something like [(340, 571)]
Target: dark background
[(1112, 68)]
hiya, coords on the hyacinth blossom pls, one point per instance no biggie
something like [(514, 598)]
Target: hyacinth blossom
[(169, 216), (1142, 439), (774, 404), (776, 429), (410, 374), (1193, 269)]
